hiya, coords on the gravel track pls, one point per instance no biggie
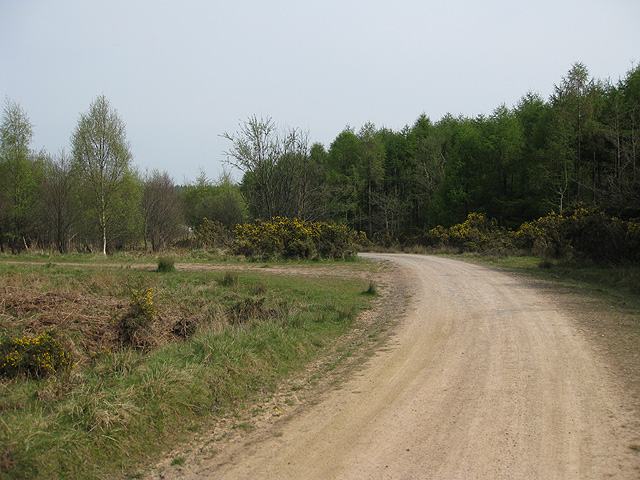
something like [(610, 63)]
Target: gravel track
[(485, 377)]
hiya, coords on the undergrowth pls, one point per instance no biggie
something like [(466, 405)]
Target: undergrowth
[(214, 349)]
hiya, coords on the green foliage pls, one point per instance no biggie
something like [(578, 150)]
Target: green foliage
[(33, 357), (219, 201), (212, 234), (141, 304), (20, 179), (632, 238), (102, 161), (582, 232), (294, 238)]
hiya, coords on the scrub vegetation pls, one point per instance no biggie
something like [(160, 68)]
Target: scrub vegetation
[(104, 366)]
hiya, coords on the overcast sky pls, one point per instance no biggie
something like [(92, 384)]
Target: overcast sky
[(181, 73)]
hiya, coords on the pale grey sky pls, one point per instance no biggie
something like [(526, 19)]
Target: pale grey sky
[(180, 73)]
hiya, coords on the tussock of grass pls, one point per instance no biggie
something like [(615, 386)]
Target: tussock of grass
[(229, 279), (166, 265), (373, 288)]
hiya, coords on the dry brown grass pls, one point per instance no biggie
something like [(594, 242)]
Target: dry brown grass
[(89, 322)]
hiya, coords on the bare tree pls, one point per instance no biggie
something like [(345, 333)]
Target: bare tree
[(255, 151), (161, 211), (59, 207), (280, 176)]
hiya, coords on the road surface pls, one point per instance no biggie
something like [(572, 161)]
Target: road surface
[(485, 377)]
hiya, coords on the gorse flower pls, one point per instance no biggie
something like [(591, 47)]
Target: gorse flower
[(141, 303), (34, 357), (294, 238)]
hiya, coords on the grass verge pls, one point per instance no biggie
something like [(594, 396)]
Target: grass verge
[(212, 347)]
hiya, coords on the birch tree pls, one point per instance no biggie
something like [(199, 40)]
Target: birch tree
[(102, 157), (20, 176)]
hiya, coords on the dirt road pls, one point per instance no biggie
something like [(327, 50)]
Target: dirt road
[(485, 378)]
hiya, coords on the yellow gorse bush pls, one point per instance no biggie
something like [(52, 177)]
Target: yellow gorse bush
[(294, 238), (34, 357), (580, 231), (141, 303), (476, 233)]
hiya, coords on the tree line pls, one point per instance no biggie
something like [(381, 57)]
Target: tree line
[(93, 198), (580, 146)]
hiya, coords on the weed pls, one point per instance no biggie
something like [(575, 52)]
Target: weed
[(245, 427), (248, 309), (346, 313), (178, 461), (260, 289)]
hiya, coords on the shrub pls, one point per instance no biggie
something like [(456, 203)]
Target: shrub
[(476, 234), (336, 240), (134, 325), (582, 232), (294, 238), (545, 237), (141, 304), (212, 234), (33, 357), (632, 238)]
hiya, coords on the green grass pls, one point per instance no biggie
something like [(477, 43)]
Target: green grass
[(121, 406), (618, 282)]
